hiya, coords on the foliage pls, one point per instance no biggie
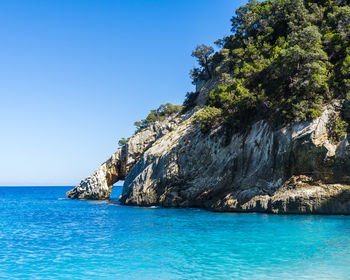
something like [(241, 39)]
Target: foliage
[(208, 118), (190, 101), (286, 58), (239, 106), (123, 141), (203, 54), (158, 114), (340, 129)]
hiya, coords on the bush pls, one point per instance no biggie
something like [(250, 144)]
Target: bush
[(285, 60), (340, 129), (190, 101), (208, 118), (239, 106), (314, 113), (123, 141), (158, 114)]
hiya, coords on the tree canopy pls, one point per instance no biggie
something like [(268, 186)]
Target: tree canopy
[(203, 54), (284, 60), (158, 114)]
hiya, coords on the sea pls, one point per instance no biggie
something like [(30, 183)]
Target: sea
[(43, 235)]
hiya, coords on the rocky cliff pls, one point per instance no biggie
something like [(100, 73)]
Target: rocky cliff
[(99, 184), (295, 169)]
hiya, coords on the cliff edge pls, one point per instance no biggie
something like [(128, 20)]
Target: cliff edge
[(295, 169), (266, 130)]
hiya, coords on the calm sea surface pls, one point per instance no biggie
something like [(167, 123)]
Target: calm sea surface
[(45, 236)]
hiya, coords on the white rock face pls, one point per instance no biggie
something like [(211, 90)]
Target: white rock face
[(296, 169), (100, 183)]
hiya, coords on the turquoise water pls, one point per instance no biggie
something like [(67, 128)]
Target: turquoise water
[(45, 236)]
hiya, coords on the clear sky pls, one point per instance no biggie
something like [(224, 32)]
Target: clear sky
[(76, 74)]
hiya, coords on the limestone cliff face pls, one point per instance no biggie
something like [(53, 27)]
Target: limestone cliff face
[(295, 169), (99, 184)]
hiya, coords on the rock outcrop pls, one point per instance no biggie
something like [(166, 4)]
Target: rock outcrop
[(99, 184), (296, 169)]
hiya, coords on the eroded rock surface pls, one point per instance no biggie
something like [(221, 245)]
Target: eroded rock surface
[(99, 184), (295, 169)]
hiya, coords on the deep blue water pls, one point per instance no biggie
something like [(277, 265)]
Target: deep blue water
[(45, 236)]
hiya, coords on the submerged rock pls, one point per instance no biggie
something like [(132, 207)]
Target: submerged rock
[(296, 169)]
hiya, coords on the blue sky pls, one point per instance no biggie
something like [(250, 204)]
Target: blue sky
[(76, 74)]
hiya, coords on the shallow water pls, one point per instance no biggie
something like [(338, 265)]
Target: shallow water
[(45, 236)]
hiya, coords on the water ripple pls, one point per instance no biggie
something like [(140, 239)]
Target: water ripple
[(45, 236)]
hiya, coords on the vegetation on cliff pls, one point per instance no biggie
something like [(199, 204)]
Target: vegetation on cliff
[(156, 115), (284, 60), (159, 114)]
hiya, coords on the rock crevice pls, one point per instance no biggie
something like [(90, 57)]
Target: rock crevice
[(296, 169)]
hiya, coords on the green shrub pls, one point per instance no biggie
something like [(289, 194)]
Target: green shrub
[(190, 101), (239, 106), (208, 118), (340, 129), (158, 114), (123, 141), (285, 60), (314, 113)]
